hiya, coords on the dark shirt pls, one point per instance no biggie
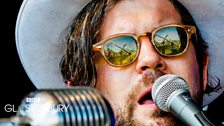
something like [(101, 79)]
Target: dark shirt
[(215, 112)]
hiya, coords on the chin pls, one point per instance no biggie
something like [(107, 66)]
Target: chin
[(138, 117), (162, 121)]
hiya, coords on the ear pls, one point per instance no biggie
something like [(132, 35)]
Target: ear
[(205, 71)]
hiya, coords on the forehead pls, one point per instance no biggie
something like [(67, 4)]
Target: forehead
[(129, 16), (131, 5), (138, 6)]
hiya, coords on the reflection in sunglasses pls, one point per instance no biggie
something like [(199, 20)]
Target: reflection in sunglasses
[(122, 49)]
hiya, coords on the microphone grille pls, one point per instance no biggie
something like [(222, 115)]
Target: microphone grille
[(164, 87)]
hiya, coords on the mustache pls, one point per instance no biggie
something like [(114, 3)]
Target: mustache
[(148, 78)]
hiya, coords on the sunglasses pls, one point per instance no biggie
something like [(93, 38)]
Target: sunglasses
[(123, 49)]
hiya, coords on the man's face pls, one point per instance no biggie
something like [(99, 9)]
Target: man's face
[(128, 88)]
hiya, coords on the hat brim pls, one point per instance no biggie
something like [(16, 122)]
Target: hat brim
[(40, 23)]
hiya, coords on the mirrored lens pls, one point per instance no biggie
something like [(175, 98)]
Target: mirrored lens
[(170, 41), (120, 50)]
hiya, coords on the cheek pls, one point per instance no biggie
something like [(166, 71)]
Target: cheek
[(186, 66), (113, 82)]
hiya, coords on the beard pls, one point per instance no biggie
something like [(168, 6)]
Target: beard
[(125, 114)]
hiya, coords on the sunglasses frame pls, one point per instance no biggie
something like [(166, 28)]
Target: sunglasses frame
[(190, 30)]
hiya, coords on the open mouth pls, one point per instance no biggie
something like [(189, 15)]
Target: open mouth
[(145, 98)]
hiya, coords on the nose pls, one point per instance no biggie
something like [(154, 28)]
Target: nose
[(148, 57)]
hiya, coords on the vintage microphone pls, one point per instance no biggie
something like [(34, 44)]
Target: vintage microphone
[(79, 106), (170, 93)]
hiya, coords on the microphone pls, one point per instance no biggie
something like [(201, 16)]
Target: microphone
[(79, 106), (171, 94)]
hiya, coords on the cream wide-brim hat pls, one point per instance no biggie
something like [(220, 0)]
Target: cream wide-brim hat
[(41, 22)]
